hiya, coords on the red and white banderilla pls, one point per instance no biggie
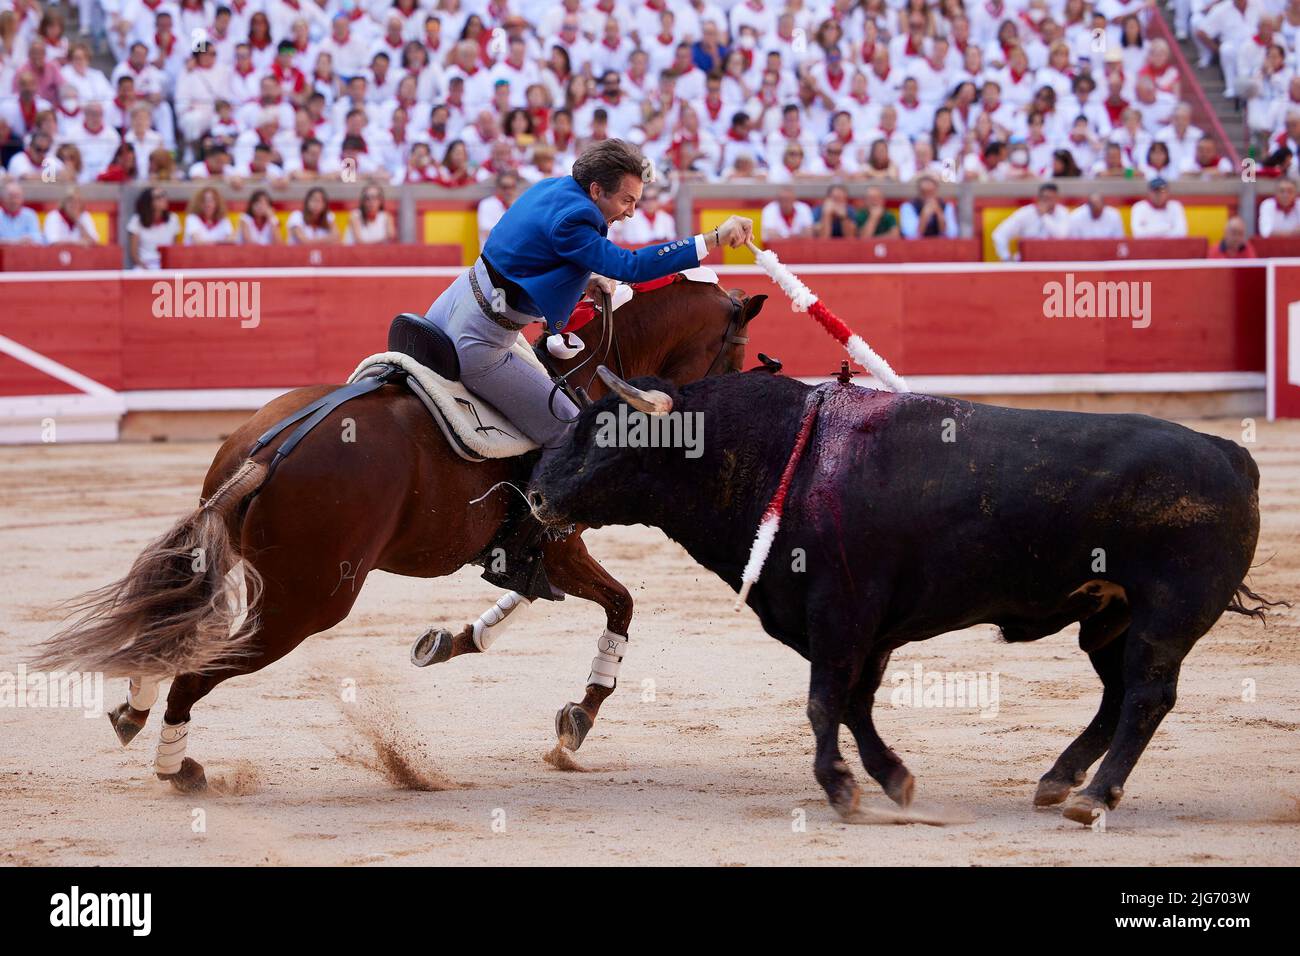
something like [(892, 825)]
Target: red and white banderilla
[(804, 300)]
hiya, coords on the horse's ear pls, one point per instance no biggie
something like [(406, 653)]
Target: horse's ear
[(751, 307)]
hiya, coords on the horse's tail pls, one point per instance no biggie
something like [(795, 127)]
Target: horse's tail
[(175, 611)]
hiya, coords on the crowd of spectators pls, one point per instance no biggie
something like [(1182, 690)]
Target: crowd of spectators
[(457, 92)]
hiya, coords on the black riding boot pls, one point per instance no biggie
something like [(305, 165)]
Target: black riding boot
[(514, 558)]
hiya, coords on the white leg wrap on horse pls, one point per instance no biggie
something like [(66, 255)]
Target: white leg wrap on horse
[(141, 694), (171, 747), (493, 621), (610, 648)]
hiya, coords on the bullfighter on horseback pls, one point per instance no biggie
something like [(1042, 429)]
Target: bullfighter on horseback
[(550, 246)]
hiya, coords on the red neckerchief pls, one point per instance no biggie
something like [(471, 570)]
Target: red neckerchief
[(394, 46), (961, 46), (242, 72), (731, 134), (1029, 24), (210, 223), (541, 119), (399, 139), (1115, 112), (437, 136), (665, 38), (845, 138), (29, 112), (356, 15), (1016, 77), (153, 6), (72, 223), (862, 99), (463, 178), (714, 111), (789, 220), (93, 132), (883, 77), (291, 4), (259, 44), (171, 44), (422, 173), (68, 112), (911, 49), (612, 46), (561, 145), (868, 51), (835, 83)]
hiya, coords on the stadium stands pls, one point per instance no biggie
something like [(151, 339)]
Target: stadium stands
[(447, 108)]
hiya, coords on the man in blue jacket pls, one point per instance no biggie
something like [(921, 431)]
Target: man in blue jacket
[(547, 250)]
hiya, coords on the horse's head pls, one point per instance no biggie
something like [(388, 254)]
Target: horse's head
[(683, 332)]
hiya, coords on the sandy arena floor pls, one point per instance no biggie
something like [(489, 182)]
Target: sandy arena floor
[(702, 756)]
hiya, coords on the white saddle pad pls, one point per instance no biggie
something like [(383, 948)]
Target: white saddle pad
[(475, 429)]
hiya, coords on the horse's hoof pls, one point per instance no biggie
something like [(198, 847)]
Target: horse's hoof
[(1051, 792), (127, 722), (572, 724), (431, 647), (189, 779), (900, 786)]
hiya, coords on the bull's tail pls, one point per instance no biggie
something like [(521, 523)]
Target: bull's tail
[(1238, 605), (174, 611)]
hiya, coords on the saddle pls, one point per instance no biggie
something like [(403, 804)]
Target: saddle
[(423, 356)]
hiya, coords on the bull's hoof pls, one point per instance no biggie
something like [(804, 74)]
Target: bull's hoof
[(572, 724), (1083, 808), (189, 779), (1051, 792), (900, 786), (431, 647), (127, 722), (845, 799)]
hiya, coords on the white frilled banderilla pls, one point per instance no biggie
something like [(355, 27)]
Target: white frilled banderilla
[(803, 300)]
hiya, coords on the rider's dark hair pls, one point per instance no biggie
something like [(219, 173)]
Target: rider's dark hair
[(606, 162)]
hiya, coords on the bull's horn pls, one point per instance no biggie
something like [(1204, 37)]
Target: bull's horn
[(653, 402)]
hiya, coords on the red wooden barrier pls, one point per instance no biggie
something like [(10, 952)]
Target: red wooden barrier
[(59, 258), (316, 326), (875, 250), (1276, 247), (334, 256), (1097, 250)]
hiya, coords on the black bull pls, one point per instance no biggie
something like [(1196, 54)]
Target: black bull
[(919, 515)]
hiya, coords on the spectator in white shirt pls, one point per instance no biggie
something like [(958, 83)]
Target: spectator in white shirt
[(71, 223), (1095, 220), (313, 223), (206, 222), (152, 227), (491, 209), (1045, 218), (1158, 216), (1207, 163), (1280, 215), (786, 217)]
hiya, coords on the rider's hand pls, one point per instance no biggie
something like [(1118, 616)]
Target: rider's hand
[(563, 346), (599, 283), (735, 232)]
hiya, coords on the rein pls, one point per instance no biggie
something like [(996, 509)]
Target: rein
[(609, 339)]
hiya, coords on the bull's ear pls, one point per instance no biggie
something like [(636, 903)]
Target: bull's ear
[(753, 305)]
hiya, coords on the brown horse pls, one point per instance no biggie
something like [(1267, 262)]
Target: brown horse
[(394, 497)]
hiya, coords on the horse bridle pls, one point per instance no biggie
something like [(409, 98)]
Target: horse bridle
[(609, 339)]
